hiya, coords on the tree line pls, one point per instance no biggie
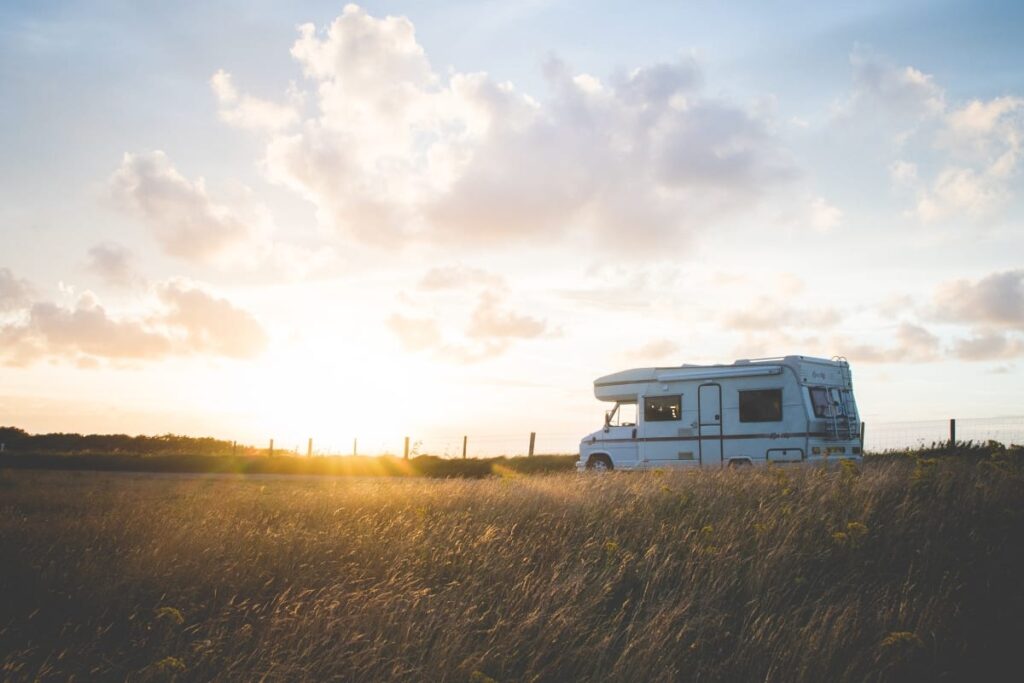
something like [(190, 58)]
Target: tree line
[(16, 440)]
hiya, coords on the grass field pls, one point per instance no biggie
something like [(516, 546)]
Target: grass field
[(332, 466), (909, 569)]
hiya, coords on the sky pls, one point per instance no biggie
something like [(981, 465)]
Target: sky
[(257, 220)]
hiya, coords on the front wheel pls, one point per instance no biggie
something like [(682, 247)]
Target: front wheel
[(600, 463)]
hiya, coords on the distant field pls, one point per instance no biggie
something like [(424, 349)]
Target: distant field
[(909, 569)]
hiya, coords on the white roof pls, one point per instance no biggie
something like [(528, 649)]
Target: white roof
[(615, 387)]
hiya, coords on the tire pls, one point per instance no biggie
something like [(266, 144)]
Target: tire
[(600, 463), (738, 463)]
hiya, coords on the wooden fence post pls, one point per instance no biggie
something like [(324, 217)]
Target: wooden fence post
[(406, 451), (464, 440), (533, 439), (309, 448), (952, 432), (355, 446), (271, 451)]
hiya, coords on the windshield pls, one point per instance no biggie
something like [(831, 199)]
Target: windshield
[(622, 415)]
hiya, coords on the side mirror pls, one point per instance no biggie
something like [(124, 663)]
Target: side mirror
[(607, 419)]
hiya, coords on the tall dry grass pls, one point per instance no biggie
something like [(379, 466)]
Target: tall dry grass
[(905, 570)]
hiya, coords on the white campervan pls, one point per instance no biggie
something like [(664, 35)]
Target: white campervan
[(753, 412)]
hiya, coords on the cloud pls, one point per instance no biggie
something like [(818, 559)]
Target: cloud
[(399, 153), (185, 220), (984, 141), (204, 323), (185, 321), (491, 321), (114, 264), (962, 191), (911, 343), (656, 349), (768, 314), (880, 86), (15, 293), (984, 321), (824, 217), (456, 277), (989, 345), (245, 111), (986, 127), (490, 330), (625, 287), (972, 149), (903, 173), (996, 300)]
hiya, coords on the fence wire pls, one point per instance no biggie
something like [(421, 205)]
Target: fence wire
[(889, 436), (879, 436)]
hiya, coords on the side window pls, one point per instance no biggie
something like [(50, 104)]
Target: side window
[(820, 401), (761, 405), (663, 408)]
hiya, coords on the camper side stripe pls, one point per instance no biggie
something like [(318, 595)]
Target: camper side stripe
[(724, 437)]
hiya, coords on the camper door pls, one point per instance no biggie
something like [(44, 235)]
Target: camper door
[(709, 398), (665, 442)]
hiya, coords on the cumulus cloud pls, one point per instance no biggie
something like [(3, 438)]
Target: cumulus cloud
[(959, 190), (982, 320), (87, 329), (973, 149), (204, 323), (15, 293), (185, 321), (986, 127), (114, 264), (996, 300), (983, 139), (879, 84), (490, 320), (910, 343), (186, 221), (246, 111), (399, 152), (989, 345)]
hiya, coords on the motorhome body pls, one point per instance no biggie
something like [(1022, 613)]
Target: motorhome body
[(752, 412)]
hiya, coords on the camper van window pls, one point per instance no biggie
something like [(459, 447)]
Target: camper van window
[(819, 401), (762, 405), (663, 408)]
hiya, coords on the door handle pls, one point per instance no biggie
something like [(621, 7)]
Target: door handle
[(634, 432)]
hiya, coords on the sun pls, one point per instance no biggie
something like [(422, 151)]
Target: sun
[(336, 395)]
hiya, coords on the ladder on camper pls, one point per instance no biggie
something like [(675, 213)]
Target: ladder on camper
[(843, 423)]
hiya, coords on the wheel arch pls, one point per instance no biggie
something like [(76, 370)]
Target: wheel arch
[(600, 456)]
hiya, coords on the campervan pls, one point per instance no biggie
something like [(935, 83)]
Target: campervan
[(791, 409)]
